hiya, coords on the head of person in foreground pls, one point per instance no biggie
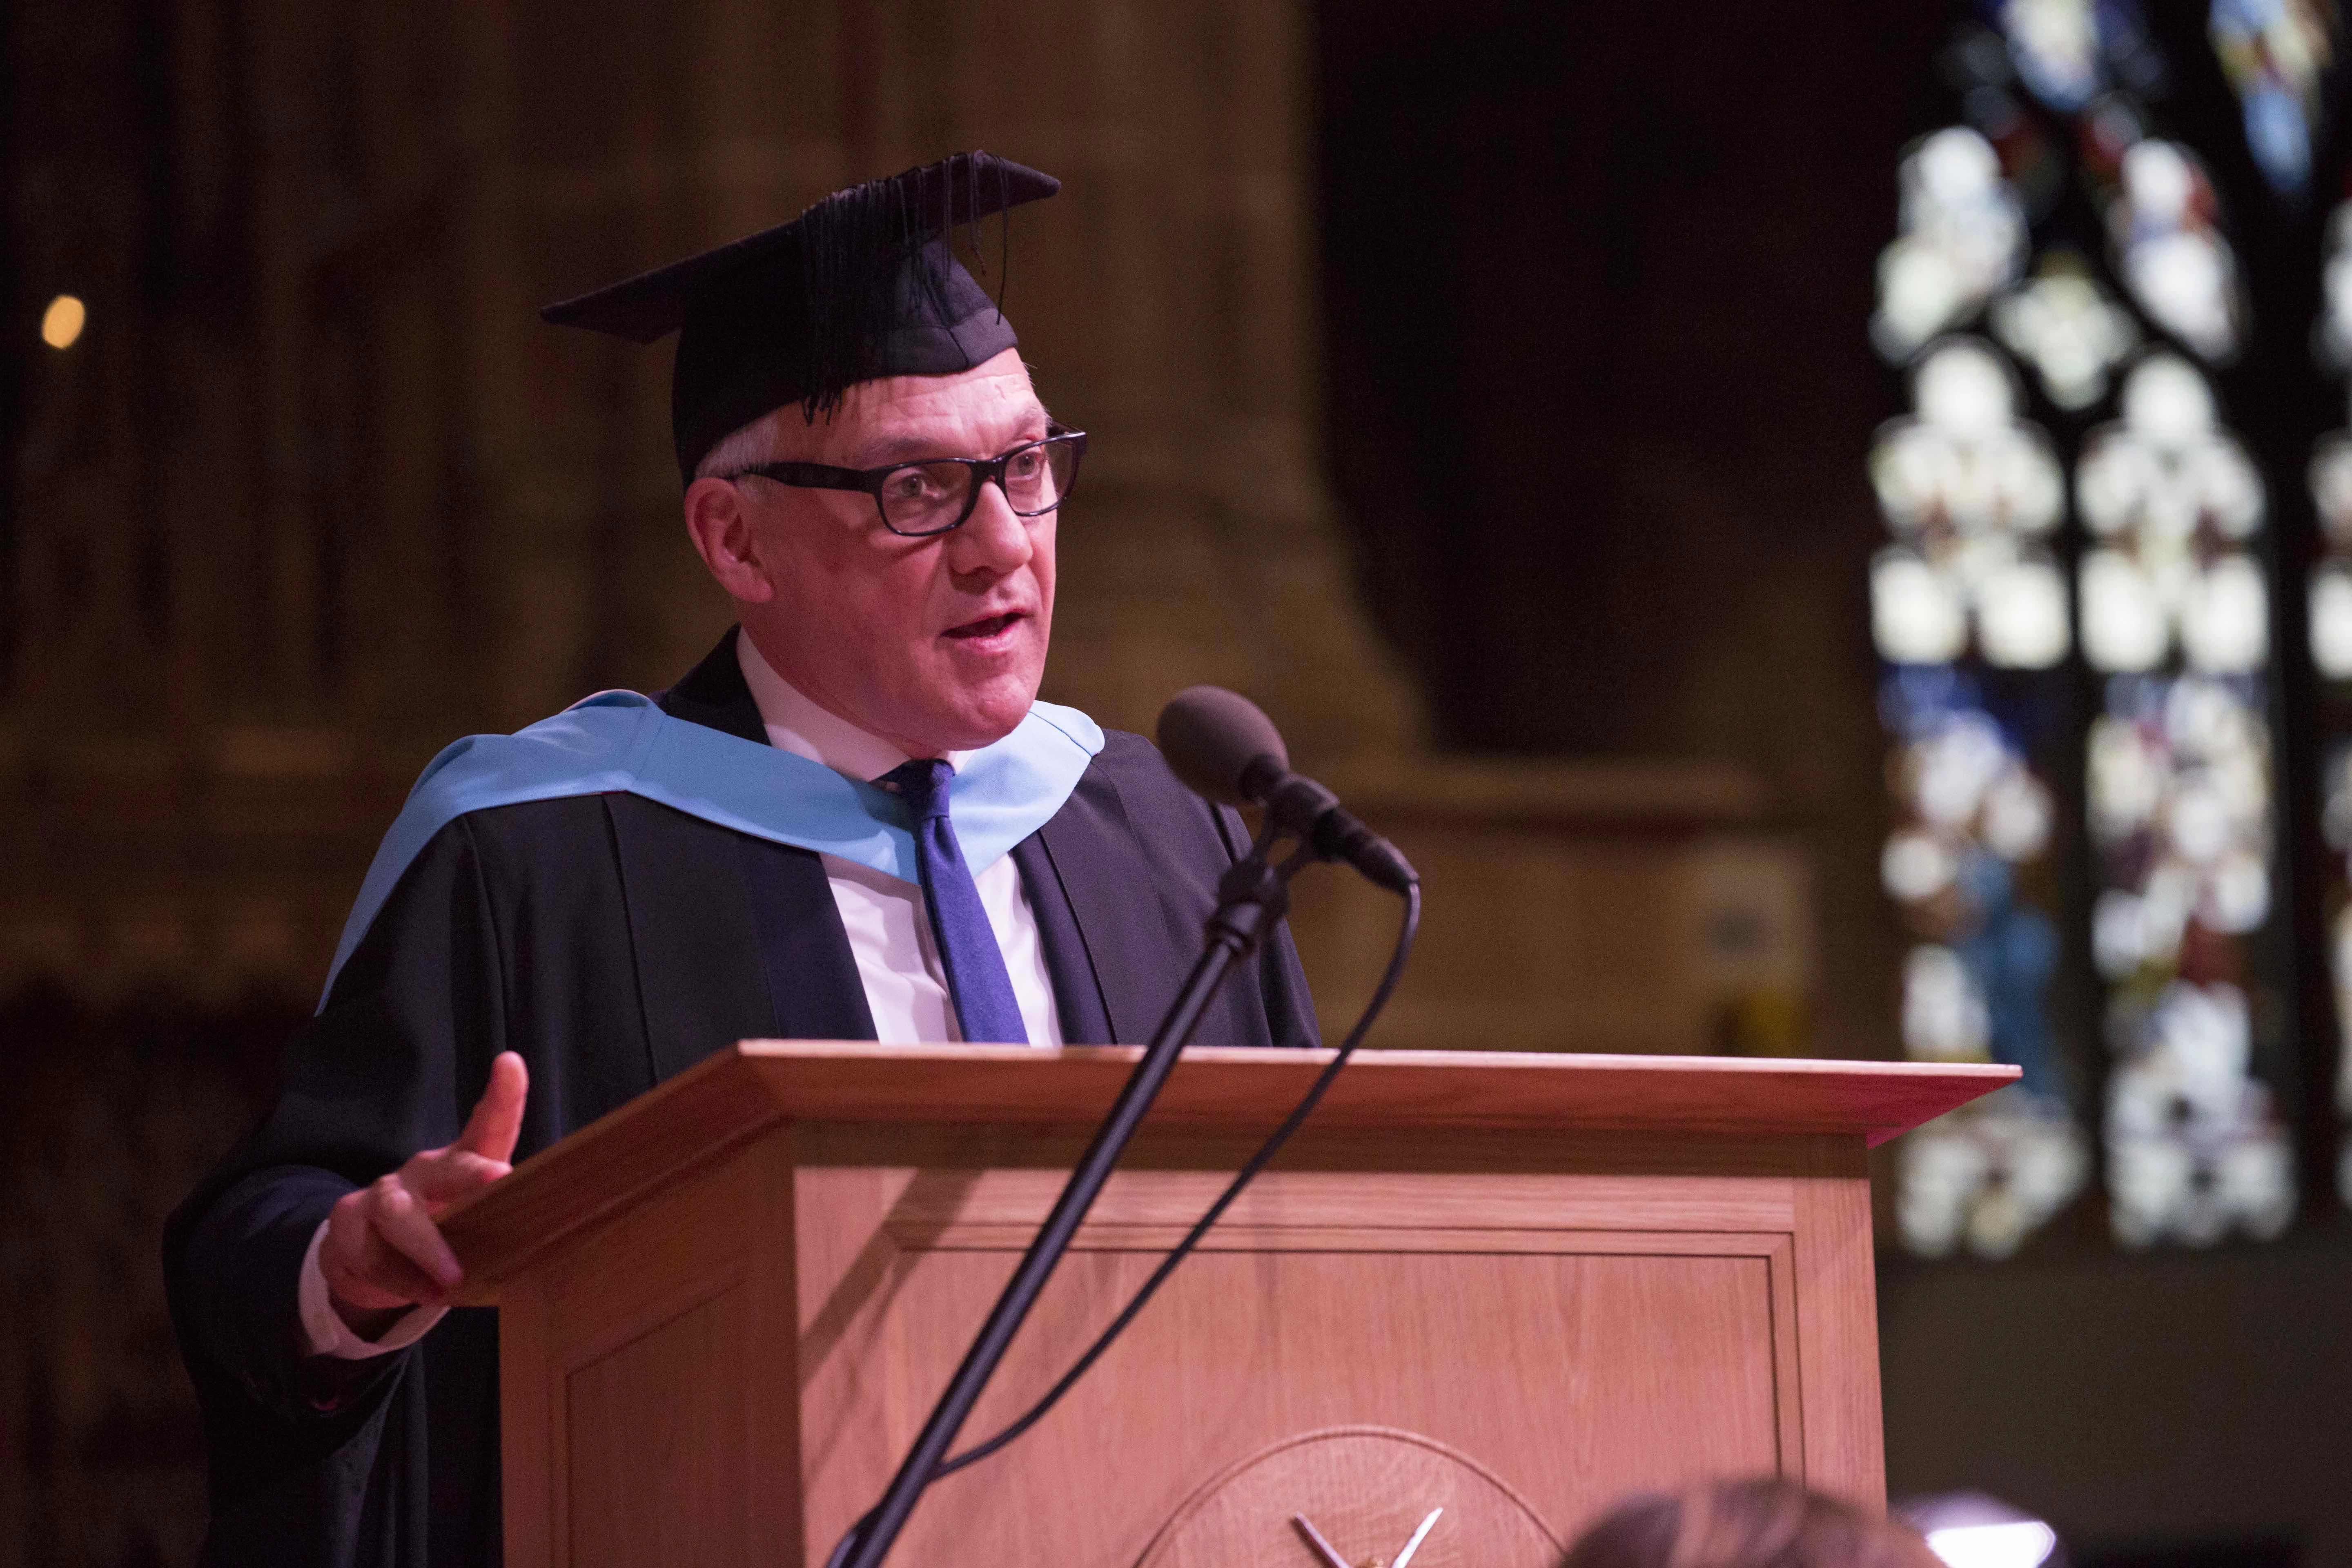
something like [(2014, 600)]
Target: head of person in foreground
[(1758, 1522)]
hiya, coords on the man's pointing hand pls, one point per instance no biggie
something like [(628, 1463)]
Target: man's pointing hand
[(382, 1252)]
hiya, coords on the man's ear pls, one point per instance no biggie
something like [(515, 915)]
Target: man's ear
[(720, 526)]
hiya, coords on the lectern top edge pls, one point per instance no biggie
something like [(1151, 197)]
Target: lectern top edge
[(854, 1080), (754, 1085)]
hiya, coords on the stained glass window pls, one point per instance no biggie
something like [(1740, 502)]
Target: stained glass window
[(2176, 619), (2061, 289), (1969, 610), (2276, 52), (2330, 621)]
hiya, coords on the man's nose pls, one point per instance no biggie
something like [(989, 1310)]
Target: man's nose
[(994, 538)]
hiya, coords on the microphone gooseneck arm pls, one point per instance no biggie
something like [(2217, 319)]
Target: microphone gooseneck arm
[(1252, 896), (1242, 1178), (1298, 803), (1226, 750)]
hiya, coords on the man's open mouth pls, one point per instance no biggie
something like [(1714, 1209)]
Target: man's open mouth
[(987, 628)]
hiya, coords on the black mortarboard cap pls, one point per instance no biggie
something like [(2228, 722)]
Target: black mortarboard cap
[(864, 283)]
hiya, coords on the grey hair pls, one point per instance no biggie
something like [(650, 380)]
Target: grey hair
[(744, 449), (756, 443)]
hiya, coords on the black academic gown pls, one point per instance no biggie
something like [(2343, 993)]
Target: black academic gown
[(613, 942)]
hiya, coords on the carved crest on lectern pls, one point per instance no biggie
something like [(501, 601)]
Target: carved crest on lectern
[(1355, 1497), (1330, 1554)]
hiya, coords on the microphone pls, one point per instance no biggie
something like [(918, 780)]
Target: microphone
[(1223, 747)]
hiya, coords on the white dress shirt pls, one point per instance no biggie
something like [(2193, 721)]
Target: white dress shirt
[(890, 930), (889, 935)]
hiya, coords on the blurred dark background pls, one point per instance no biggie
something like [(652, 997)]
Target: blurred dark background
[(1480, 380)]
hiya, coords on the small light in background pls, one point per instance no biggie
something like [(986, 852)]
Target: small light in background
[(62, 322), (2026, 1543), (1968, 1529)]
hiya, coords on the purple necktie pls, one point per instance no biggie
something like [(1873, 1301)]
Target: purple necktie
[(978, 982)]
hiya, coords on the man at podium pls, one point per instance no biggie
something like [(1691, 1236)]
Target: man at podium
[(852, 820)]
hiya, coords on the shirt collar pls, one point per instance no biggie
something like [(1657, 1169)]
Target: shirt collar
[(796, 725)]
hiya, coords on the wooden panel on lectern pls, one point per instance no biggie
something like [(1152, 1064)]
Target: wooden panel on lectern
[(1480, 1286), (655, 1442), (648, 1360), (1576, 1323)]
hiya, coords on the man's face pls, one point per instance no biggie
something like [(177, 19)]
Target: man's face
[(934, 644)]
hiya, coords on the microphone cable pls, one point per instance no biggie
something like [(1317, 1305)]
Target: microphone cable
[(1406, 930)]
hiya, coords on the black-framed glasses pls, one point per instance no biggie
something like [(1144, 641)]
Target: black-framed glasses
[(937, 495)]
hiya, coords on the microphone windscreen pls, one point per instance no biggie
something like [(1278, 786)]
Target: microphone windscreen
[(1211, 736)]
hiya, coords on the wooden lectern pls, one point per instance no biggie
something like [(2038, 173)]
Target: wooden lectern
[(1510, 1287)]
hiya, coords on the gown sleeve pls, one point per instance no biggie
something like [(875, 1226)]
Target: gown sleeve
[(314, 1458)]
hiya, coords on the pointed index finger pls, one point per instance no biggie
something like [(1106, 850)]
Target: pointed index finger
[(497, 1120)]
